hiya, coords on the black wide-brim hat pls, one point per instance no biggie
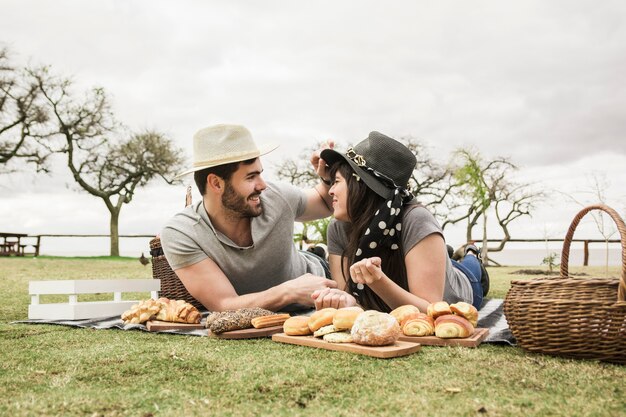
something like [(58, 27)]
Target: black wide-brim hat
[(381, 153)]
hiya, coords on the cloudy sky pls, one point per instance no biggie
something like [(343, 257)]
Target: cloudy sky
[(539, 82)]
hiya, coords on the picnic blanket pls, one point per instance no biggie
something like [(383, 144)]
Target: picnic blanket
[(490, 315)]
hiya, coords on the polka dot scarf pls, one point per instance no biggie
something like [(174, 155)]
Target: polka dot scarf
[(384, 229)]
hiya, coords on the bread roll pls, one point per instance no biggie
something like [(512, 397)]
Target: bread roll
[(374, 328), (344, 317), (297, 326), (324, 330), (322, 318), (338, 337), (440, 308), (422, 325), (465, 310), (405, 313), (453, 326)]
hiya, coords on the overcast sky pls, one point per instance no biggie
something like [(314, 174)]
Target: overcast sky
[(540, 82)]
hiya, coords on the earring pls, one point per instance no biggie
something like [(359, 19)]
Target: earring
[(356, 176)]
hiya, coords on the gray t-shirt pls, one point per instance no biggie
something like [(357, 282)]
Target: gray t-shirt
[(189, 237), (416, 225)]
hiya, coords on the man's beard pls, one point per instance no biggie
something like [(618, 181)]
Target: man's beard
[(236, 203)]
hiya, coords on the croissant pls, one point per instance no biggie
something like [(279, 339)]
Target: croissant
[(142, 312), (405, 313), (178, 311), (465, 310), (452, 326), (437, 309), (422, 325)]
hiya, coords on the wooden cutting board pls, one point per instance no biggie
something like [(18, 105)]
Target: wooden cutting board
[(473, 341), (248, 333), (156, 325), (400, 348)]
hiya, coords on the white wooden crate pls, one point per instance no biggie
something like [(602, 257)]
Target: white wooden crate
[(75, 310)]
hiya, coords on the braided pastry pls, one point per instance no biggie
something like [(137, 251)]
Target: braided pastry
[(422, 325), (142, 312), (178, 311)]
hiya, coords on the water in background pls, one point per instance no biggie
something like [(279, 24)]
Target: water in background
[(522, 254)]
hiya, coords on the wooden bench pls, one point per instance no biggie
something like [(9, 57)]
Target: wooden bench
[(75, 310)]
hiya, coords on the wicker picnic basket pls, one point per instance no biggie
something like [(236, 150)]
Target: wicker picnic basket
[(171, 285), (572, 317)]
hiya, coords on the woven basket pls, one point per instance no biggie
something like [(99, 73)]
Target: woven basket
[(171, 285), (572, 317)]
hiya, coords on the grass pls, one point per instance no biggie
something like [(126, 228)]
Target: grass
[(56, 370)]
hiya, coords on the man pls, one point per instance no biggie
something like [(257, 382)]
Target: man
[(235, 248)]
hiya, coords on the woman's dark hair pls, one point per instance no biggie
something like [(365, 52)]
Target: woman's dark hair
[(223, 171), (362, 203)]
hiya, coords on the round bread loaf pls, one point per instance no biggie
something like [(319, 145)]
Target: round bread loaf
[(322, 318), (297, 326), (405, 313), (344, 317), (374, 328)]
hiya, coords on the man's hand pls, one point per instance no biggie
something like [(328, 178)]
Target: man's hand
[(299, 290), (366, 271), (319, 165), (332, 297)]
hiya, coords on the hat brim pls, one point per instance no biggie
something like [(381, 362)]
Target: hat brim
[(330, 156), (263, 150)]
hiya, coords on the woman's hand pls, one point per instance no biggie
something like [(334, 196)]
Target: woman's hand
[(332, 297), (367, 271)]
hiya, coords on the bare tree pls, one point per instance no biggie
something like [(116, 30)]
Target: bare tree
[(483, 185), (106, 168), (23, 118)]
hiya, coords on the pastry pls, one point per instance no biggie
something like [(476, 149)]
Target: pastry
[(141, 312), (374, 328), (465, 310), (453, 326), (297, 326), (405, 313), (439, 308), (322, 318), (344, 317), (178, 311), (324, 330), (421, 325), (338, 337), (269, 321)]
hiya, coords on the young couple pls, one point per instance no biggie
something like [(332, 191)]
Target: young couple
[(234, 248)]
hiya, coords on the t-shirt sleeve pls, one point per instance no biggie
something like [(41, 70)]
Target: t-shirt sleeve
[(336, 237), (416, 225), (295, 197), (180, 250)]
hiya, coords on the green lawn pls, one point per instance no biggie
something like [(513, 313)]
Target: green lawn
[(56, 370)]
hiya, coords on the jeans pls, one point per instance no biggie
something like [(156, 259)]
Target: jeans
[(470, 266)]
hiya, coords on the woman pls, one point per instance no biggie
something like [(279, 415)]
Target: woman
[(387, 250)]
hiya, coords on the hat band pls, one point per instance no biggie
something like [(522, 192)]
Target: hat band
[(360, 161), (225, 159)]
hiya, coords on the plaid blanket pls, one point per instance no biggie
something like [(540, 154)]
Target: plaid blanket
[(490, 315)]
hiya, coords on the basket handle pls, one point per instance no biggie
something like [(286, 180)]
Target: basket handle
[(621, 227)]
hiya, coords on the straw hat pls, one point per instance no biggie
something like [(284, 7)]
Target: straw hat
[(222, 144), (382, 154)]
